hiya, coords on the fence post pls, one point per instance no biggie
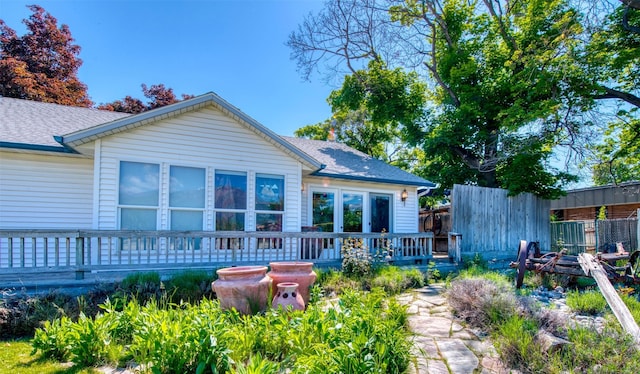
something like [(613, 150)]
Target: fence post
[(597, 234), (79, 258)]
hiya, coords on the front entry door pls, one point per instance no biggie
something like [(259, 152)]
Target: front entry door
[(380, 212)]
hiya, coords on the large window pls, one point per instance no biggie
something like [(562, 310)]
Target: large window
[(230, 200), (269, 202), (138, 197), (187, 202), (186, 197)]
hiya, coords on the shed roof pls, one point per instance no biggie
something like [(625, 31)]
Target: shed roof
[(597, 196)]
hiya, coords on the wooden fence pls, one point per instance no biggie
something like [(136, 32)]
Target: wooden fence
[(41, 251), (491, 223)]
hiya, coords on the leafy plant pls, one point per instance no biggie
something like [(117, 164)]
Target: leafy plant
[(53, 339), (357, 261), (475, 263), (92, 342)]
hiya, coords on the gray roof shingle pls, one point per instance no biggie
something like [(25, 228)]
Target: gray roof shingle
[(35, 123), (342, 161)]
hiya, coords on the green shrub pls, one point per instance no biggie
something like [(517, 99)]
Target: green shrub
[(91, 342), (482, 302), (333, 282), (514, 340), (476, 263), (257, 365), (609, 351), (53, 339), (357, 261), (589, 302), (394, 279)]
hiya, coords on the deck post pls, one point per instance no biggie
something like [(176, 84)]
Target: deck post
[(79, 258)]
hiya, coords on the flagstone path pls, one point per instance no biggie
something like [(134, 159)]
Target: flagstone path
[(442, 345)]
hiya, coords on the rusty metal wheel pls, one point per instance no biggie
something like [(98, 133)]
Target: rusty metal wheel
[(522, 263)]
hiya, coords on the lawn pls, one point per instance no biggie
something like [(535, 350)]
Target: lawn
[(16, 358)]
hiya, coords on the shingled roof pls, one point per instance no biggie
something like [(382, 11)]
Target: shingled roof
[(344, 162), (31, 125)]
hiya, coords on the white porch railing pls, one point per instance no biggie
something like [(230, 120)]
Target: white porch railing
[(36, 251)]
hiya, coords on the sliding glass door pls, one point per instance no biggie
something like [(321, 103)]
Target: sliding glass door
[(351, 211)]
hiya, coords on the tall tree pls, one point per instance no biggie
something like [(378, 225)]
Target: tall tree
[(497, 74), (41, 65), (157, 94)]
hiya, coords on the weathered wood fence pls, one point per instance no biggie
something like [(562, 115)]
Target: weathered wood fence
[(41, 251), (492, 223)]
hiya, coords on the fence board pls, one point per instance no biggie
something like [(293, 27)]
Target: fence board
[(492, 223)]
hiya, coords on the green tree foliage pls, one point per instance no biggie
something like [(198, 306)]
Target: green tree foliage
[(500, 101), (617, 158), (41, 65), (157, 94), (372, 111)]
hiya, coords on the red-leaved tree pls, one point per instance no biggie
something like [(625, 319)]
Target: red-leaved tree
[(41, 65), (157, 94)]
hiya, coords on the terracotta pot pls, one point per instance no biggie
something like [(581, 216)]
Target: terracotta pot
[(296, 272), (245, 288), (287, 297)]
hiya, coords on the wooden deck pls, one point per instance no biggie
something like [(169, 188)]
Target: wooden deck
[(50, 257)]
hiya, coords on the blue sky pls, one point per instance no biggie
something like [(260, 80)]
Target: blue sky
[(233, 48)]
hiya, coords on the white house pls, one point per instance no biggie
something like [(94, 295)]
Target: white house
[(200, 165)]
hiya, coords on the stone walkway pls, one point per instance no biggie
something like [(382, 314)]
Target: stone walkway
[(442, 345)]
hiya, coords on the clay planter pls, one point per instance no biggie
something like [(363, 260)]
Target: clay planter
[(287, 297), (295, 272), (245, 288)]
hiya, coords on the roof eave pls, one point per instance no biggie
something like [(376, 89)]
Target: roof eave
[(359, 178), (37, 147)]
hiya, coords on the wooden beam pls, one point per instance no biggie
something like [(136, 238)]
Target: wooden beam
[(592, 267)]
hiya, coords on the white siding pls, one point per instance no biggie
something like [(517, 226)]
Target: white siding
[(206, 138), (45, 191)]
